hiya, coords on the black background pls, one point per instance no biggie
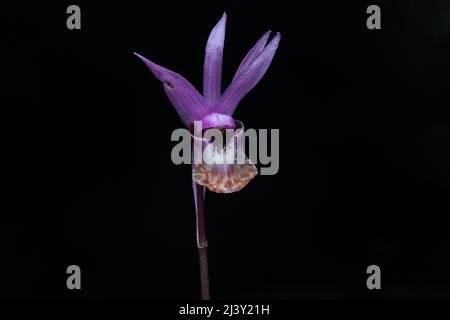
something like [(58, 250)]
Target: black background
[(364, 174)]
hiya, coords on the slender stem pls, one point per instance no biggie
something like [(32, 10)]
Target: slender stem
[(204, 277), (202, 243)]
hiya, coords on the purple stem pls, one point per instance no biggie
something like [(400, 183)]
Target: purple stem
[(202, 243)]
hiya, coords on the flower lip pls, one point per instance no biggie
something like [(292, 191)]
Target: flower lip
[(219, 121)]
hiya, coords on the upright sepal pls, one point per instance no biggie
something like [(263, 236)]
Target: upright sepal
[(252, 55), (249, 75), (188, 102), (212, 69)]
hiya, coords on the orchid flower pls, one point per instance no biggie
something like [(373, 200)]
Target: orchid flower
[(215, 110)]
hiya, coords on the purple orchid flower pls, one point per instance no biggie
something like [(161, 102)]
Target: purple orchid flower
[(215, 109)]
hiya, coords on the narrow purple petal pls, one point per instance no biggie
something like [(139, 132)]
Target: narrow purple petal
[(248, 78), (212, 68), (188, 102), (252, 55), (197, 205), (194, 189)]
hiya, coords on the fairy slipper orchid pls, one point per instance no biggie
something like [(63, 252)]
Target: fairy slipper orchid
[(214, 109)]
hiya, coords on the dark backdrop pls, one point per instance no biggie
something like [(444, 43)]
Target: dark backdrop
[(364, 171)]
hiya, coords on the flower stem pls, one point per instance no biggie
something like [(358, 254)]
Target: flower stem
[(202, 243), (204, 278)]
